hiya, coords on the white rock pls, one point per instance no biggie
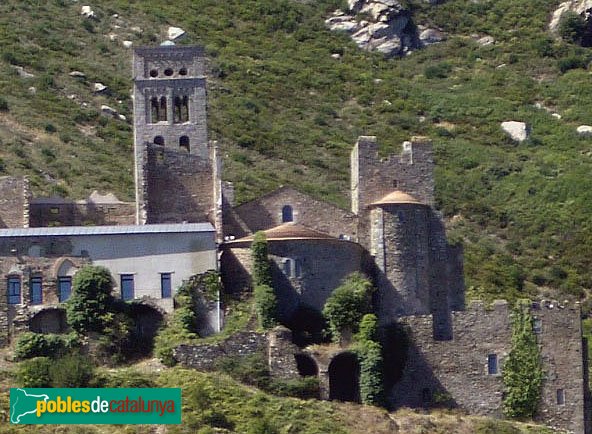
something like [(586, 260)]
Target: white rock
[(87, 12), (518, 131), (167, 44), (127, 44), (345, 26), (379, 30), (391, 47), (136, 29), (108, 110), (112, 36), (121, 118), (32, 90), (175, 33), (335, 56), (578, 6), (375, 10), (431, 36), (99, 87), (486, 40), (77, 74), (361, 37), (556, 115), (339, 19), (584, 130), (22, 73), (355, 5)]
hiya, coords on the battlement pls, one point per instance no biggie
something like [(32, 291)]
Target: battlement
[(410, 171)]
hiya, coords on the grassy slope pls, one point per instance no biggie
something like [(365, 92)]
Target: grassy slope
[(286, 112), (216, 403)]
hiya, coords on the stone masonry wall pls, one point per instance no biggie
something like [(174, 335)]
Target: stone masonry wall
[(14, 202), (180, 187), (458, 368), (67, 213), (266, 212)]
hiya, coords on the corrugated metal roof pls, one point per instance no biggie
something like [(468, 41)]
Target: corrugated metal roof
[(107, 230)]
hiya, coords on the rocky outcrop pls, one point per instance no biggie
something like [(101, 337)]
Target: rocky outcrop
[(584, 130), (581, 7), (384, 26)]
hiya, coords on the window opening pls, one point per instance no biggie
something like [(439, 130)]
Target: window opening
[(14, 290), (185, 109), (537, 326), (165, 285), (127, 286), (492, 364), (184, 143), (154, 109), (64, 288), (36, 285), (154, 73), (560, 397), (183, 71), (168, 72), (159, 140), (288, 267), (162, 112), (287, 214)]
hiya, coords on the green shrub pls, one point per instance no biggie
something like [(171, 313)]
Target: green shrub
[(35, 372), (3, 105), (440, 70), (261, 265), (347, 305), (123, 378), (29, 345), (303, 388), (91, 302), (72, 370), (371, 362), (572, 62), (572, 27), (266, 306), (522, 371)]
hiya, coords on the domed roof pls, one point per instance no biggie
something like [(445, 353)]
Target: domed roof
[(397, 197), (289, 231)]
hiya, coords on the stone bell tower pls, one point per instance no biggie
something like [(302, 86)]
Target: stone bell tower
[(176, 168)]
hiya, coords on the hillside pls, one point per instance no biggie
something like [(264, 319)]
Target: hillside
[(287, 112)]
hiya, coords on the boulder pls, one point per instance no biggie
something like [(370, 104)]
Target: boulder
[(175, 33), (518, 131), (578, 6), (105, 109), (127, 44), (87, 12), (431, 36), (486, 40), (390, 47), (355, 5), (22, 73), (99, 87), (77, 74), (584, 130)]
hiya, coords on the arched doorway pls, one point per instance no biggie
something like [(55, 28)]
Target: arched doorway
[(344, 378), (306, 365), (49, 321)]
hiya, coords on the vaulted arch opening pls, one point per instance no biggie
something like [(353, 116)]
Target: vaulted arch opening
[(49, 321), (306, 365), (146, 322), (184, 143), (344, 378)]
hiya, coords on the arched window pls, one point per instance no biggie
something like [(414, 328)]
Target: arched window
[(64, 278), (185, 109), (184, 143), (159, 140), (287, 215), (183, 71), (177, 110), (162, 113), (153, 110)]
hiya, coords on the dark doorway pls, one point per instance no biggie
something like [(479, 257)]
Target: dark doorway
[(49, 321), (306, 365), (147, 321), (344, 378)]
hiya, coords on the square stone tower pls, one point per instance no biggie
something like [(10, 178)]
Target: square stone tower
[(176, 169)]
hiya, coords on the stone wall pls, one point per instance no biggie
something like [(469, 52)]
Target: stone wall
[(14, 202), (206, 357), (316, 268), (179, 187), (456, 371), (61, 212), (266, 212)]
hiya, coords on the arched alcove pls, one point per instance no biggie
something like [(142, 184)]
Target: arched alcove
[(344, 378), (146, 322), (307, 367), (49, 321), (287, 214)]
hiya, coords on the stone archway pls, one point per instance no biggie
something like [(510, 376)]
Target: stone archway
[(306, 365), (49, 321), (344, 378)]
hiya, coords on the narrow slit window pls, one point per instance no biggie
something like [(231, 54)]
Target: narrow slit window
[(177, 110), (560, 397), (162, 113), (288, 267), (537, 326), (154, 115), (14, 290), (492, 364), (36, 284), (185, 109)]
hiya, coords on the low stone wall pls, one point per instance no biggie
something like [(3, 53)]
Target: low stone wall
[(205, 357)]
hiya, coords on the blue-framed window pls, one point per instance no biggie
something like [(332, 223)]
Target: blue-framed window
[(36, 287), (165, 285), (14, 290), (127, 286), (64, 288), (492, 364)]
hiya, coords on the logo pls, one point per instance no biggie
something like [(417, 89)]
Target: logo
[(95, 406)]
